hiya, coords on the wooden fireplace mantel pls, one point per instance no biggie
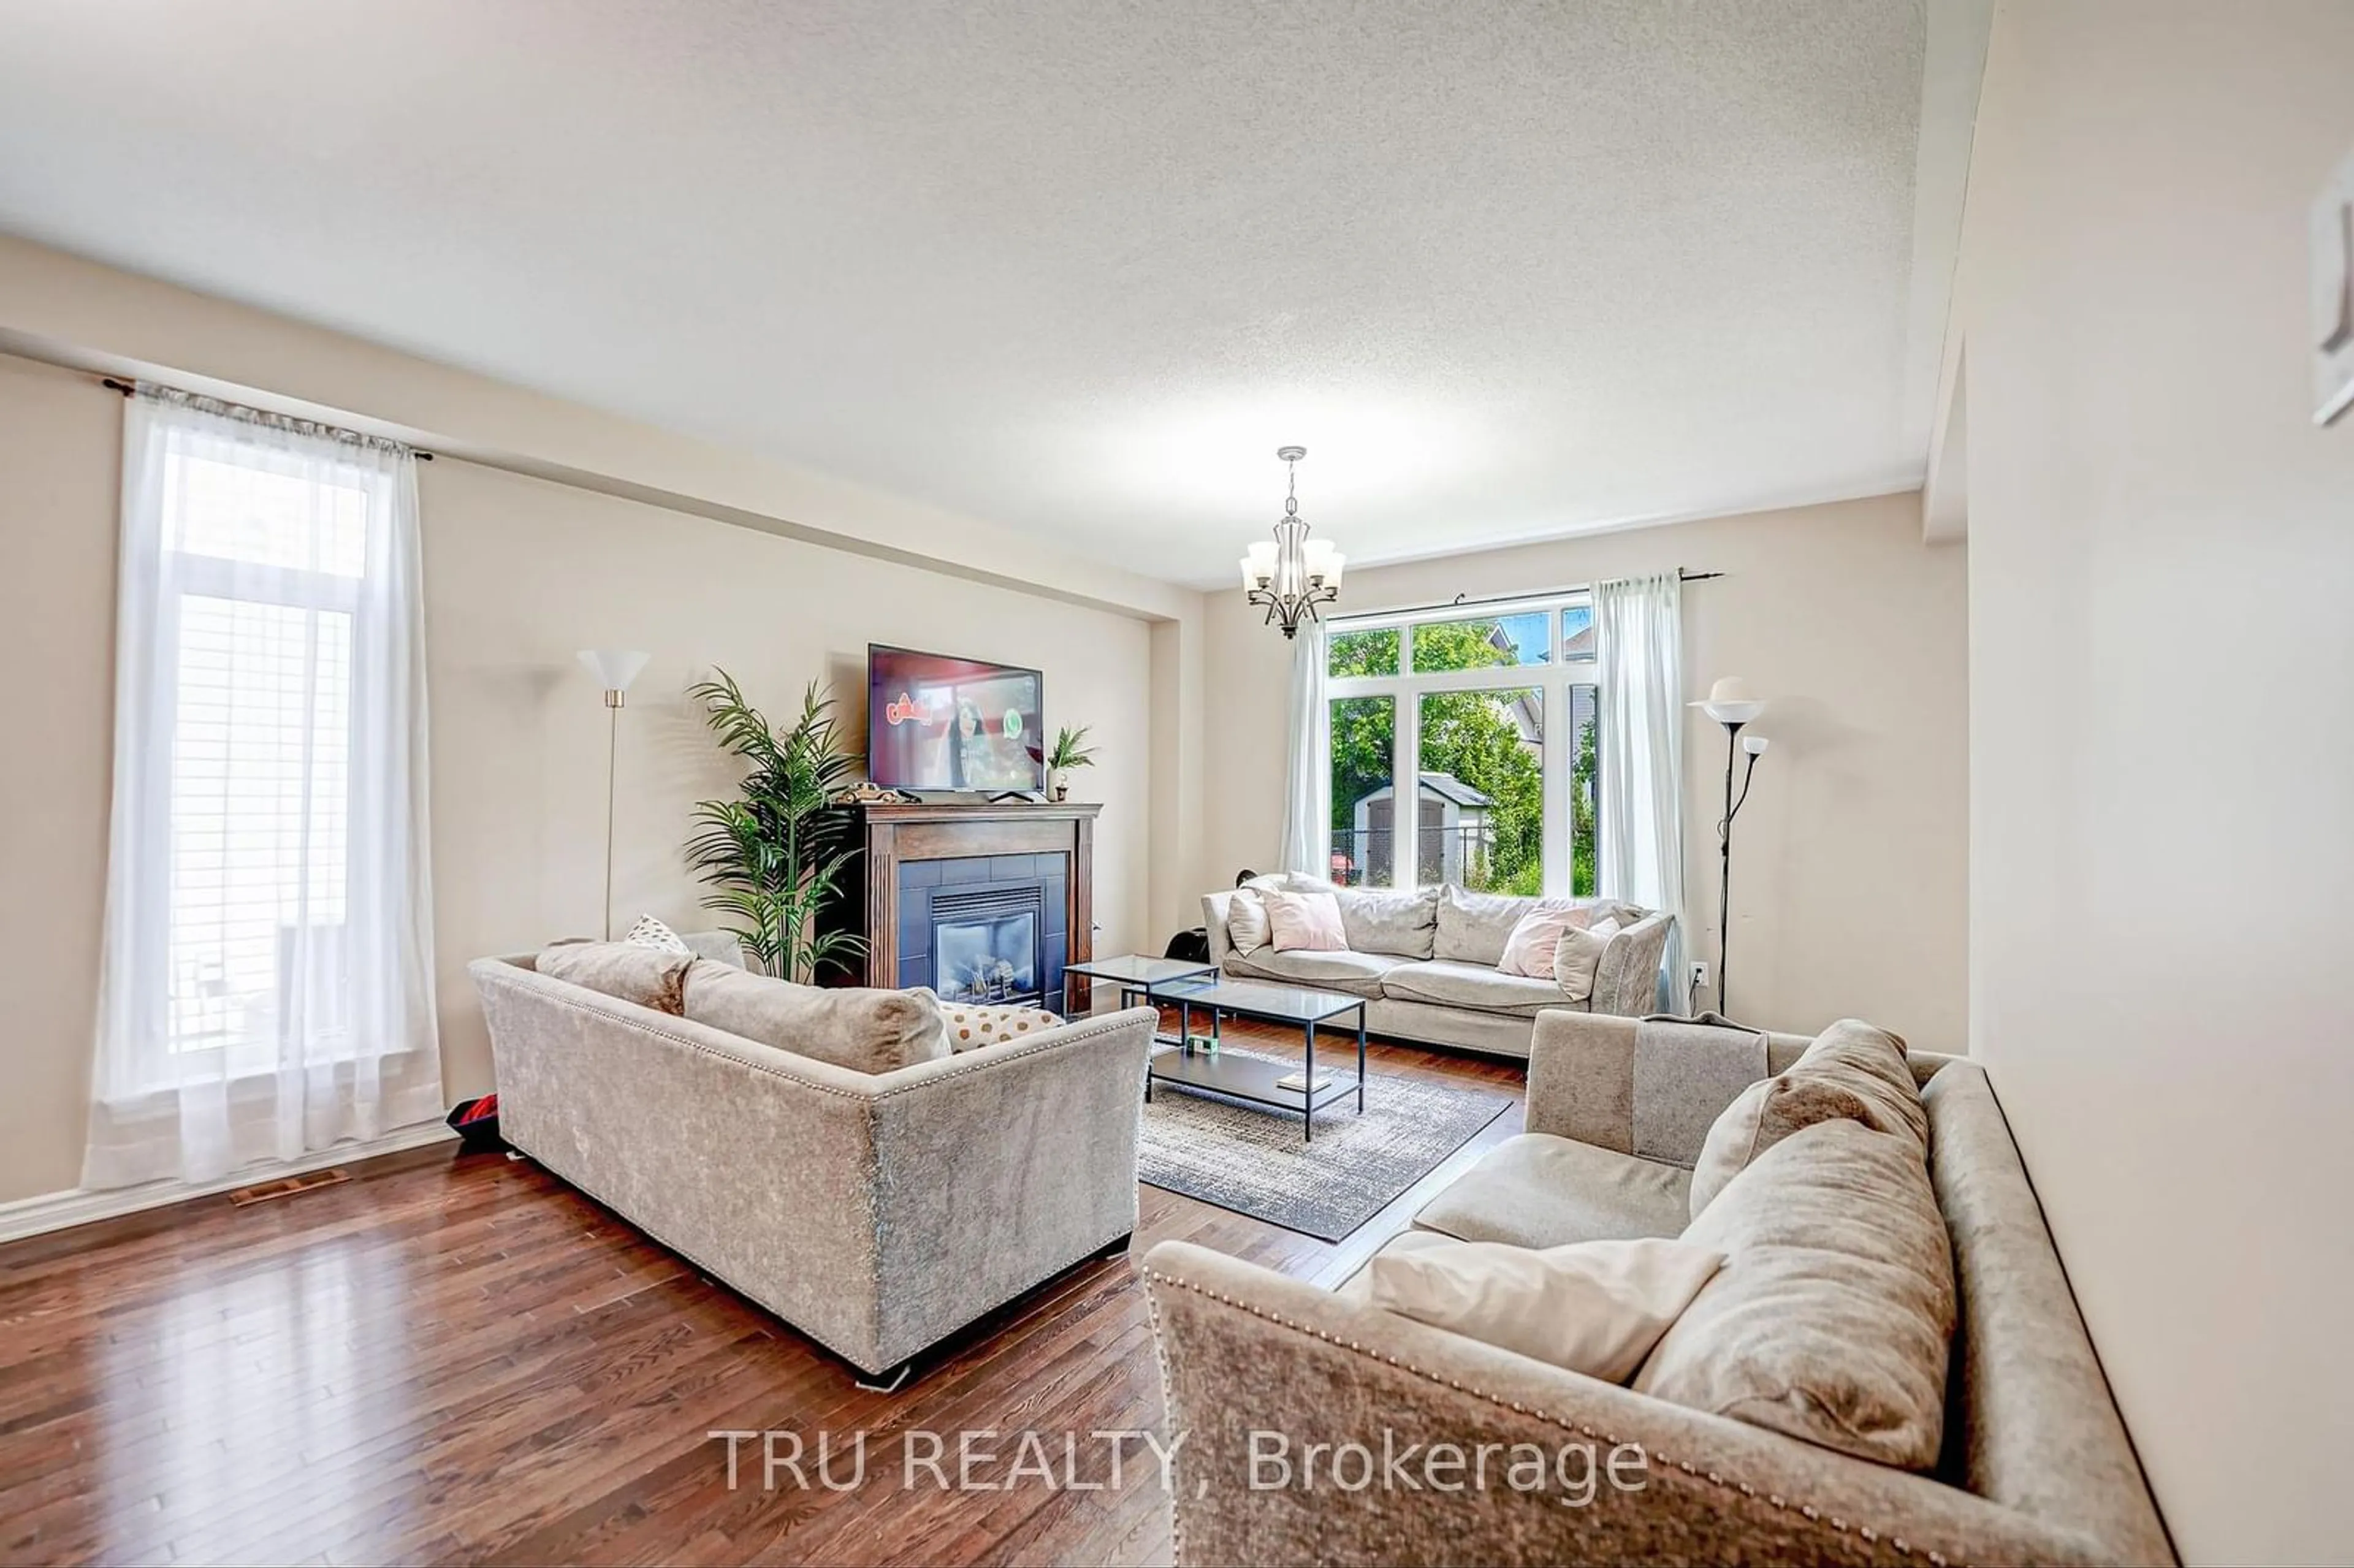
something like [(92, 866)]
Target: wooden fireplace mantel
[(892, 835)]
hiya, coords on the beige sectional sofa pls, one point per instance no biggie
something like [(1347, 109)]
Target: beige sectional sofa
[(1427, 958), (876, 1213), (2035, 1465)]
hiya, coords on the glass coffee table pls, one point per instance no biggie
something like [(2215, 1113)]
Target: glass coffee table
[(1134, 975), (1249, 1078)]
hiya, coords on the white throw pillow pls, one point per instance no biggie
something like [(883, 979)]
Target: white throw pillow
[(1306, 923), (1577, 958), (1596, 1308), (1529, 951), (650, 932), (1246, 928)]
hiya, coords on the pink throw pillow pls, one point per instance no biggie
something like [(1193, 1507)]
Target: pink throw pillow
[(1306, 923), (1528, 949)]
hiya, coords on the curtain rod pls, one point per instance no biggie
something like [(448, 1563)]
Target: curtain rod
[(115, 384), (1464, 601)]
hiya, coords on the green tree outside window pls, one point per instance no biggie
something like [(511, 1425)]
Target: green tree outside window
[(1473, 735)]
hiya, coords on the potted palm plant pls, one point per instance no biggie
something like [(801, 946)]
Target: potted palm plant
[(776, 853), (1071, 750)]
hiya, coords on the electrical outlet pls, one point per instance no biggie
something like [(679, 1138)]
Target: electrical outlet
[(1700, 976)]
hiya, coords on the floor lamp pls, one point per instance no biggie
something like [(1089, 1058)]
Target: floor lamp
[(614, 670), (1732, 704)]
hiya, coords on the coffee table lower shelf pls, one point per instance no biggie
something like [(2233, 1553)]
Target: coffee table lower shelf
[(1243, 1078)]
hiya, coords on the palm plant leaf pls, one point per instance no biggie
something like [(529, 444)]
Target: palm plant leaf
[(774, 856)]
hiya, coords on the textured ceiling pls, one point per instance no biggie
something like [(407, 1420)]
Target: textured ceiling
[(1078, 267)]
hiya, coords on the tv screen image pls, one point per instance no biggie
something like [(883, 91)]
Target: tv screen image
[(938, 723)]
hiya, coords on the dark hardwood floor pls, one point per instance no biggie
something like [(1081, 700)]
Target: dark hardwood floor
[(458, 1359)]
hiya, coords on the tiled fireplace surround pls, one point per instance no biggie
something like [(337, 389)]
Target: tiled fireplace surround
[(978, 891)]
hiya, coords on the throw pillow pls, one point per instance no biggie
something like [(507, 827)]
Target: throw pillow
[(1872, 1062), (1528, 949), (1596, 1307), (1401, 924), (1832, 1319), (1765, 1113), (974, 1024), (1577, 958), (1306, 923), (1247, 927), (1472, 927), (647, 976), (650, 932), (849, 1026)]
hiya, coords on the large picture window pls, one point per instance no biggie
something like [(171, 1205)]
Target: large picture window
[(1492, 715)]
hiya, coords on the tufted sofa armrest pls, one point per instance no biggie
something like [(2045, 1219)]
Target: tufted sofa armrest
[(1582, 1075), (1627, 981), (998, 1166), (1214, 909)]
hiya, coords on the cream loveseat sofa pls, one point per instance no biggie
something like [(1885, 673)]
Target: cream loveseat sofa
[(2035, 1468), (1427, 960), (876, 1214)]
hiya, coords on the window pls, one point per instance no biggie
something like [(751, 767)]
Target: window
[(1492, 714), (260, 573), (1364, 751), (268, 984)]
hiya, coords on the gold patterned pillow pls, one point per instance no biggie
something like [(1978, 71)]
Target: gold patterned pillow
[(972, 1024)]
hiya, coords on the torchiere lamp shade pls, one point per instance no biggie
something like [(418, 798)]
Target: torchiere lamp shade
[(614, 667)]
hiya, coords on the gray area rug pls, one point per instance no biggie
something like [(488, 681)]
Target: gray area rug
[(1255, 1162)]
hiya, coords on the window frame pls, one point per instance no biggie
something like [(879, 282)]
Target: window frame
[(1553, 678)]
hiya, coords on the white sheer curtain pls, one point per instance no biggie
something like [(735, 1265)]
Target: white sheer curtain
[(268, 983), (1306, 836), (1638, 661)]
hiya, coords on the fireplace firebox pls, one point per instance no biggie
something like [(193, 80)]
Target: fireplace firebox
[(985, 944)]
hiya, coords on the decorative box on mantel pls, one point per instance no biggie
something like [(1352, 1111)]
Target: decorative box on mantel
[(981, 903)]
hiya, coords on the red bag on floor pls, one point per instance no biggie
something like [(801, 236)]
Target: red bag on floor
[(477, 1123)]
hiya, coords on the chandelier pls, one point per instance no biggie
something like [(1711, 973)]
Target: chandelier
[(1292, 574)]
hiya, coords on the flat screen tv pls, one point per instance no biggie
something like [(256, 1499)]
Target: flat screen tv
[(938, 723)]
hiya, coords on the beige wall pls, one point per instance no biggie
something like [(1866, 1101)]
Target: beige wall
[(2161, 557), (1850, 861), (520, 574), (60, 459)]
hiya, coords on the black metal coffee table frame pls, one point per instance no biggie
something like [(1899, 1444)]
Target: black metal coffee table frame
[(1249, 1078)]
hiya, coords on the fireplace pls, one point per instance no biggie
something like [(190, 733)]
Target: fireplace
[(970, 899), (984, 944)]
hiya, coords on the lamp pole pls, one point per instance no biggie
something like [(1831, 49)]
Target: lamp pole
[(614, 667), (1724, 877), (1754, 747), (612, 769)]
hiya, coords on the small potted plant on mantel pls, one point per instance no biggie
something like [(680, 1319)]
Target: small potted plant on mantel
[(1071, 750)]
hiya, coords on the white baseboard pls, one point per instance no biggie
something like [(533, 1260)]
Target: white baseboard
[(62, 1211)]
